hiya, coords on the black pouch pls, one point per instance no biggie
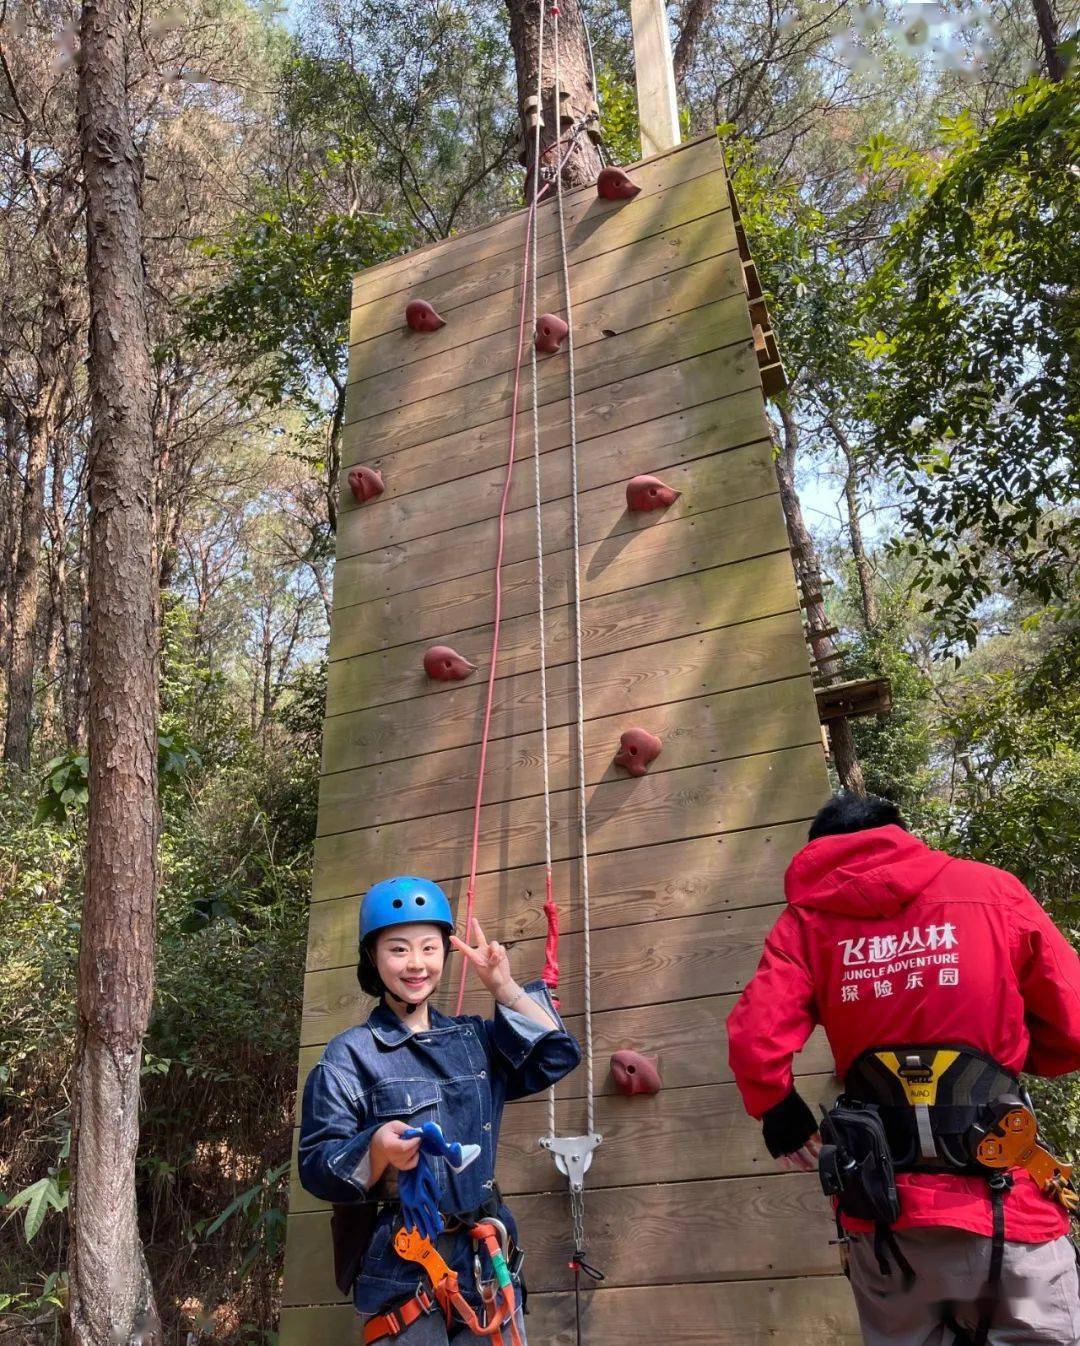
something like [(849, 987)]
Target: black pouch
[(855, 1165), (351, 1228)]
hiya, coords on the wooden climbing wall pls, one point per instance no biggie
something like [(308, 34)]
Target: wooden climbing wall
[(692, 629)]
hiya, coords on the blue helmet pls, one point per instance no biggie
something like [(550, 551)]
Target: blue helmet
[(403, 901)]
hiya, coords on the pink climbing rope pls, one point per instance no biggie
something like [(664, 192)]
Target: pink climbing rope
[(470, 892), (551, 910)]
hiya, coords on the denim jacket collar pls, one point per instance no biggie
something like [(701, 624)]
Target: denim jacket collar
[(391, 1031)]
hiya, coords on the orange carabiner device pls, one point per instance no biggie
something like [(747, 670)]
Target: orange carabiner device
[(1013, 1142)]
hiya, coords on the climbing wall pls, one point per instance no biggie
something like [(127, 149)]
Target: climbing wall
[(692, 630)]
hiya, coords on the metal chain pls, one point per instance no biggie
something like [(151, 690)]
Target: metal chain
[(577, 1214)]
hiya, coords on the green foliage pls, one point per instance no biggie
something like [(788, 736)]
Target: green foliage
[(976, 405), (261, 1210), (51, 1192), (281, 303), (619, 117), (65, 789), (1017, 729)]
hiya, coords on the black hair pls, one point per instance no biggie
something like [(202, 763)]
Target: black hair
[(847, 812), (367, 974)]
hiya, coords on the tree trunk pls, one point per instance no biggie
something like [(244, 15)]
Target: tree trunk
[(808, 568), (1051, 39), (9, 535), (575, 82), (111, 1296), (57, 638), (40, 424), (863, 569), (694, 15)]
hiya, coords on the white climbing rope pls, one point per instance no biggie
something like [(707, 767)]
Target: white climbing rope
[(544, 754), (576, 549)]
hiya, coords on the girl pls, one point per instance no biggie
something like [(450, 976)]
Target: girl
[(409, 1064)]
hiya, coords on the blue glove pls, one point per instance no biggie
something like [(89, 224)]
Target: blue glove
[(419, 1193), (432, 1141), (417, 1187)]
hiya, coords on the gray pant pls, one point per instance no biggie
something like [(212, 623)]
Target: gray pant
[(431, 1331), (1038, 1305)]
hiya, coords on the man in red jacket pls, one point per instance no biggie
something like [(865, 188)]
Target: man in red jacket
[(886, 942)]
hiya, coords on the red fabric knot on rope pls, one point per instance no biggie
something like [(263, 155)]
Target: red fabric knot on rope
[(551, 944)]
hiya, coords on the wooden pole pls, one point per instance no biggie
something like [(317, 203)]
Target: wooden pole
[(658, 111)]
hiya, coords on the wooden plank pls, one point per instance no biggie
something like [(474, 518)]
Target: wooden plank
[(770, 787), (713, 728), (470, 362), (632, 887), (723, 322), (658, 549), (584, 212), (691, 1035), (741, 1228), (619, 406), (654, 73), (676, 228), (409, 550), (719, 659), (644, 615), (641, 1135), (817, 1311), (682, 958)]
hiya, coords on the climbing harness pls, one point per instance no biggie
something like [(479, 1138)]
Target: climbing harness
[(932, 1109), (497, 1291)]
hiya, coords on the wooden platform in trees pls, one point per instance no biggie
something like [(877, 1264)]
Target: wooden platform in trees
[(692, 629)]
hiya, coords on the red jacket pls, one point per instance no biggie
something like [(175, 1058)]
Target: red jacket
[(886, 941)]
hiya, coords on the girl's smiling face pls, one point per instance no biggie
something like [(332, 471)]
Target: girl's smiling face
[(409, 959)]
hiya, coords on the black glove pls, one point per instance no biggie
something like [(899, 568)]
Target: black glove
[(788, 1126)]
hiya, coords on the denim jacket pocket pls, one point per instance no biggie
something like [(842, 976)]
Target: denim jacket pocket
[(405, 1099)]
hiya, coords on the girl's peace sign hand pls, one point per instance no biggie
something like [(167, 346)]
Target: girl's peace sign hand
[(491, 961)]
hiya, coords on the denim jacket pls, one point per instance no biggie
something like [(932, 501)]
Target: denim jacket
[(459, 1072)]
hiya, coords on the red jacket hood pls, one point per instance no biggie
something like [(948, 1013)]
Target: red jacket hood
[(876, 872)]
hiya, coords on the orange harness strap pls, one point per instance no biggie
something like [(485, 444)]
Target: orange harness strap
[(499, 1306)]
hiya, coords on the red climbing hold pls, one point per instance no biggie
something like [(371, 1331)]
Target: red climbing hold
[(421, 317), (365, 483), (645, 493), (636, 1074), (550, 333), (446, 665), (615, 185), (637, 748)]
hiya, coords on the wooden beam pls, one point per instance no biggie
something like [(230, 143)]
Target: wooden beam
[(862, 696), (658, 111)]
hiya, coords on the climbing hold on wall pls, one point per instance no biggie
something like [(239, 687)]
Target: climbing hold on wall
[(615, 185), (365, 483), (421, 317), (637, 748), (636, 1074), (446, 665), (550, 333), (645, 493)]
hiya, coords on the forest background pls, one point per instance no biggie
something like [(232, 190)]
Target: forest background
[(909, 176)]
